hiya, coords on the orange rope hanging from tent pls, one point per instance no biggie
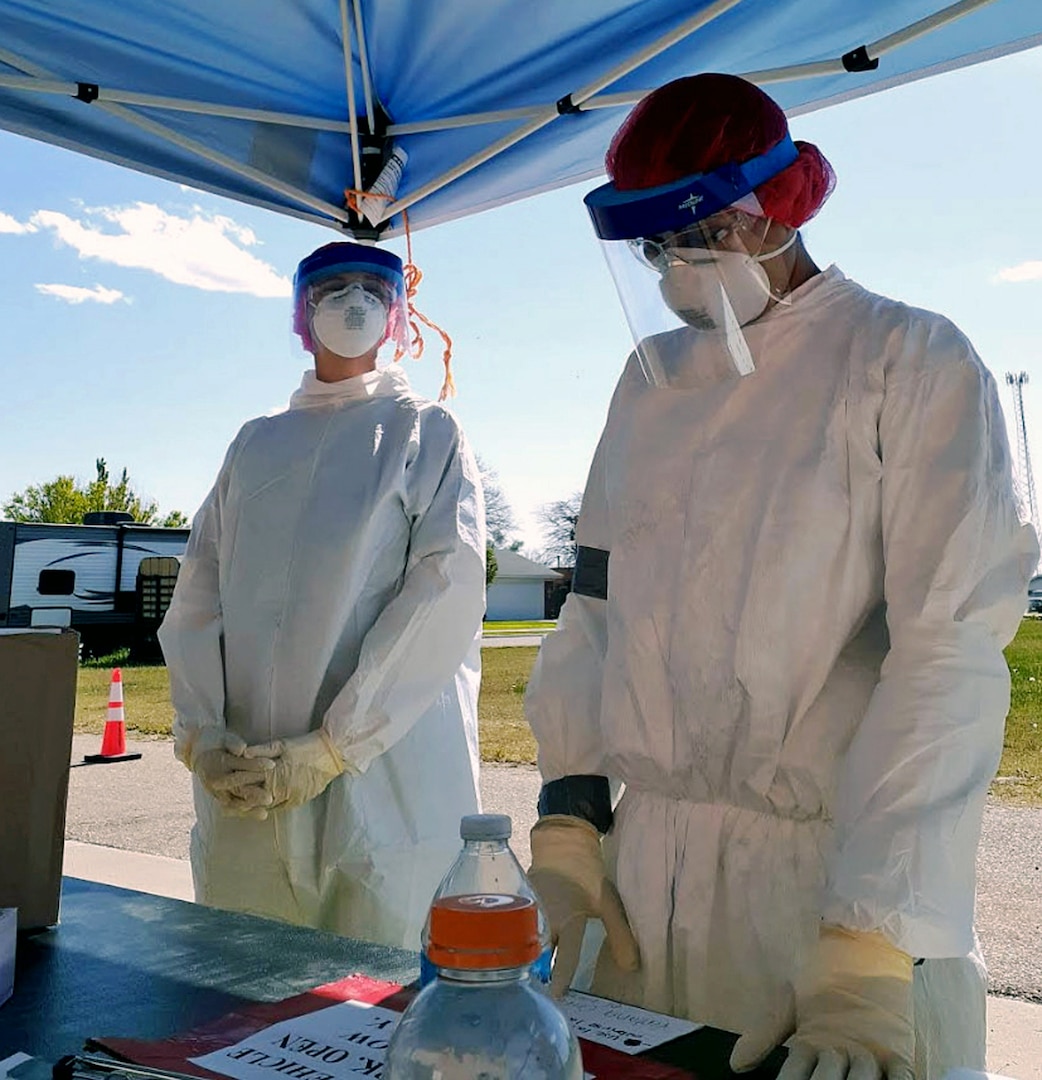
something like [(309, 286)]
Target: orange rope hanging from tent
[(413, 276)]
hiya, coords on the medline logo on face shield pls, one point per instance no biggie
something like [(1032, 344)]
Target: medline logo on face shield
[(691, 202)]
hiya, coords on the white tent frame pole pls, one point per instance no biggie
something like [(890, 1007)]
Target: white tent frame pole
[(363, 61), (168, 135), (495, 116), (874, 51), (815, 69), (550, 113), (924, 26), (30, 84), (345, 40), (237, 167), (39, 86), (818, 69), (600, 101)]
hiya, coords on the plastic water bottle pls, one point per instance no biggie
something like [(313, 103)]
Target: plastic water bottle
[(482, 1017), (486, 864)]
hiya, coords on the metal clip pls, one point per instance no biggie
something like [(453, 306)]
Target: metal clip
[(859, 60), (566, 106)]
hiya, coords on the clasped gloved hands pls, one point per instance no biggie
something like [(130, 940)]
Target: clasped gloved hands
[(568, 875), (302, 767), (240, 783), (853, 1014)]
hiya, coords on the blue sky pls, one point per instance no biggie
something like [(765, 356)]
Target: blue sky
[(143, 322)]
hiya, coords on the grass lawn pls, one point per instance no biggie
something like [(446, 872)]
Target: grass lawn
[(146, 693), (505, 734), (146, 699), (504, 629), (1020, 774), (506, 737)]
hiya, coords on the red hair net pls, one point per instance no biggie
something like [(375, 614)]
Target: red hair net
[(701, 122)]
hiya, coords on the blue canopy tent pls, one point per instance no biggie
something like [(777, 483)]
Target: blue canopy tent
[(287, 103)]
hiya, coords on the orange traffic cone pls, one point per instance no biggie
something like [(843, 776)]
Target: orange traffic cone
[(114, 741)]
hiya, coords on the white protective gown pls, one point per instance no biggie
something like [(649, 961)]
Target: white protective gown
[(338, 567), (798, 670)]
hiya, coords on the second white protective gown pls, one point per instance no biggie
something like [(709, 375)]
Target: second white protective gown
[(335, 576), (798, 670)]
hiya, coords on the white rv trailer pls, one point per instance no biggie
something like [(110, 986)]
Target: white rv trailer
[(83, 576)]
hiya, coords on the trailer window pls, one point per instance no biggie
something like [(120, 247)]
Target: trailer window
[(56, 583)]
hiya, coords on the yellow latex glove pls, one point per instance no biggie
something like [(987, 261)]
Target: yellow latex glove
[(240, 784), (303, 767), (853, 1015), (568, 875)]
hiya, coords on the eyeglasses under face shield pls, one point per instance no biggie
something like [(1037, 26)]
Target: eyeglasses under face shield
[(373, 284), (726, 231)]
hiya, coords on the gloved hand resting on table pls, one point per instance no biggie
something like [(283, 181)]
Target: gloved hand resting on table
[(568, 875), (853, 1015), (239, 783), (303, 766)]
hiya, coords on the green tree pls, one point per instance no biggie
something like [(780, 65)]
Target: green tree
[(491, 565), (64, 500)]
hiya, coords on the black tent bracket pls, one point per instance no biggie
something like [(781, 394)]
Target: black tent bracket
[(859, 60), (566, 106)]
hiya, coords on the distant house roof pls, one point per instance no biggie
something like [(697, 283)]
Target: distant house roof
[(512, 565)]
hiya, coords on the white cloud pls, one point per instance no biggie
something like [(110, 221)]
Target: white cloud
[(204, 252), (75, 294), (1025, 271), (9, 224)]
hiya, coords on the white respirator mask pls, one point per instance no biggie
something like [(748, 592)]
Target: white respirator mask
[(694, 290), (350, 322)]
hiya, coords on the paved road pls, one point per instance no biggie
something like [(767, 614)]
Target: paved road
[(512, 640), (146, 806), (1009, 900)]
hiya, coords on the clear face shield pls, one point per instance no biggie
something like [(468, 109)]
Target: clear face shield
[(351, 305), (688, 263)]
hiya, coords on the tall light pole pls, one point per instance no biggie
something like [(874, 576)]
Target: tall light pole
[(1017, 382)]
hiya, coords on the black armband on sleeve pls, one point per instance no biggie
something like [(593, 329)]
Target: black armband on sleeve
[(590, 576), (586, 797)]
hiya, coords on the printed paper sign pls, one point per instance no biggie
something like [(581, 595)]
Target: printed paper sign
[(342, 1042), (622, 1027)]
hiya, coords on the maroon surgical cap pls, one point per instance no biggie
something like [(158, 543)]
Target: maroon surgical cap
[(701, 122)]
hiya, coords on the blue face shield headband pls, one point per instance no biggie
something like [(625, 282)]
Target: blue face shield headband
[(629, 215), (336, 259)]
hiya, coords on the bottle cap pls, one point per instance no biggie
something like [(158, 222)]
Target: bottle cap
[(482, 931), (485, 827)]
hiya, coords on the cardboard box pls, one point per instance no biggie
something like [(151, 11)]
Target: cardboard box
[(38, 672)]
